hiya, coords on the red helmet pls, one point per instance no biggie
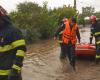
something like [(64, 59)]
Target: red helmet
[(93, 18), (65, 19), (3, 12)]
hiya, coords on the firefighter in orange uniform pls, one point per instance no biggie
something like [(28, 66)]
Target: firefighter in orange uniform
[(70, 35)]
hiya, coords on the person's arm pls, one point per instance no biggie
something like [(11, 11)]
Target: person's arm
[(20, 49), (78, 34), (91, 38), (61, 28), (91, 34)]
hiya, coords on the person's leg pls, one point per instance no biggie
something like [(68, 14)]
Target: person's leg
[(63, 57), (97, 53), (73, 57), (63, 51), (68, 52)]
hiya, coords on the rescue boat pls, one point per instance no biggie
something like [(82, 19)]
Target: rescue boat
[(85, 50)]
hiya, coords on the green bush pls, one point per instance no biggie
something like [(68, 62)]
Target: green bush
[(39, 22)]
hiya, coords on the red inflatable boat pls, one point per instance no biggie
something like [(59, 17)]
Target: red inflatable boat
[(85, 50)]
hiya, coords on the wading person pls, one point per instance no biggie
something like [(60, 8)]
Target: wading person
[(69, 38), (70, 35), (59, 34), (12, 49), (95, 31)]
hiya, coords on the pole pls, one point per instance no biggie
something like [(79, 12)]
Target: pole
[(75, 4), (76, 11)]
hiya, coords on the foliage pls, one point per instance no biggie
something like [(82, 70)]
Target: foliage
[(39, 22), (87, 11), (97, 15)]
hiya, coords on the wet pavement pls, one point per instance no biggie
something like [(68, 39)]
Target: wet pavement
[(42, 63)]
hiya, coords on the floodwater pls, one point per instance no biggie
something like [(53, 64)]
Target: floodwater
[(42, 63)]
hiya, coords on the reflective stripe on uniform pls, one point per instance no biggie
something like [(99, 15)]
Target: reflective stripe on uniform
[(18, 43), (5, 48), (20, 53), (4, 72), (15, 44), (98, 42), (97, 56), (16, 67), (97, 33)]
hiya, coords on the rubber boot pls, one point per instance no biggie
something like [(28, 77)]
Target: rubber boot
[(72, 63)]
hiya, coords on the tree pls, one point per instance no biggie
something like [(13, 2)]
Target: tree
[(39, 22), (97, 14), (87, 11)]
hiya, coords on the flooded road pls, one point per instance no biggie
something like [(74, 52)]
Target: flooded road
[(42, 63)]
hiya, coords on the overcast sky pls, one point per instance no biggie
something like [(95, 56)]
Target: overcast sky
[(10, 5)]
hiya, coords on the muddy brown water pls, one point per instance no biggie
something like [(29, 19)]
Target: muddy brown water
[(42, 63)]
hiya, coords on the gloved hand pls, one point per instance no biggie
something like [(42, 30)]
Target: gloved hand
[(14, 75), (55, 38), (72, 63)]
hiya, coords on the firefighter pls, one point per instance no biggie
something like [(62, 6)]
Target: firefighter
[(12, 49), (70, 35), (95, 31), (58, 34)]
